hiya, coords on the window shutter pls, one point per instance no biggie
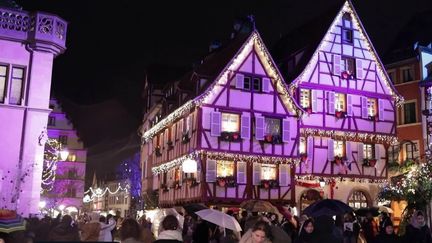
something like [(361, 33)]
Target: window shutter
[(364, 107), (165, 138), (245, 126), (331, 102), (381, 109), (172, 138), (215, 125), (314, 101), (310, 147), (377, 151), (265, 85), (259, 127), (189, 121), (284, 175), (349, 105), (241, 172), (180, 128), (211, 170), (336, 64), (256, 175), (198, 173), (348, 151), (239, 81), (330, 149), (180, 174), (359, 69), (360, 153), (286, 136)]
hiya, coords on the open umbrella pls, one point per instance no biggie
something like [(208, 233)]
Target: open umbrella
[(385, 209), (10, 221), (364, 211), (219, 218), (193, 207), (327, 207), (258, 206)]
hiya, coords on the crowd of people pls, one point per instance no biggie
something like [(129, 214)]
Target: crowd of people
[(256, 228)]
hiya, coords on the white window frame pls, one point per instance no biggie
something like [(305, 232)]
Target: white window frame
[(371, 154), (403, 111), (375, 107), (270, 168), (336, 144), (230, 115), (337, 102), (305, 100)]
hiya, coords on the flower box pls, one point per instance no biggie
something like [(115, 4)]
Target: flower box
[(230, 136), (303, 157), (269, 184), (346, 75), (158, 151), (191, 182), (340, 114), (373, 118), (339, 160), (369, 162), (309, 110), (170, 145), (185, 138), (228, 181), (273, 139)]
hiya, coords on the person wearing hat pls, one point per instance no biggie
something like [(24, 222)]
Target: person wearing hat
[(387, 235)]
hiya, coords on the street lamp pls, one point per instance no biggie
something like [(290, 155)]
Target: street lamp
[(322, 183)]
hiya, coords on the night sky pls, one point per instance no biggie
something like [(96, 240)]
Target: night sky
[(100, 77)]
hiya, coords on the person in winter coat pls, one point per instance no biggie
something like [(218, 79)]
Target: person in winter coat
[(325, 228), (387, 235), (201, 233), (130, 231), (106, 228), (64, 231), (259, 233), (351, 229), (307, 232), (170, 231), (417, 231), (90, 230), (228, 236)]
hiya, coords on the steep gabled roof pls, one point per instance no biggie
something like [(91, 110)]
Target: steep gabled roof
[(305, 39)]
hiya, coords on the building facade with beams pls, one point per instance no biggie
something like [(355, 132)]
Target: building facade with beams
[(68, 186), (238, 125), (29, 44), (339, 80)]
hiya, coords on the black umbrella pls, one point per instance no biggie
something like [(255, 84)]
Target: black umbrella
[(327, 207), (364, 211), (194, 207)]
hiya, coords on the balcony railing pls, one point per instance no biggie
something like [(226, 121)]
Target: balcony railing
[(41, 30)]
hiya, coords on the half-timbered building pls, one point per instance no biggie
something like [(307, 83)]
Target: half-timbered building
[(240, 127), (338, 79)]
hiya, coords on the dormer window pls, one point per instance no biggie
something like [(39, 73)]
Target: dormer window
[(347, 67), (256, 84), (305, 98), (347, 29), (253, 83)]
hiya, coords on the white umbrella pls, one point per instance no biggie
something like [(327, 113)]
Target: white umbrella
[(385, 209), (219, 218)]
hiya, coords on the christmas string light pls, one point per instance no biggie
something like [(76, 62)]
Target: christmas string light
[(330, 179), (51, 157), (99, 192), (349, 136)]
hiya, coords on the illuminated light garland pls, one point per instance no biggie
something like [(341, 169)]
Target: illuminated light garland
[(330, 179), (225, 156), (347, 8), (351, 136), (51, 157), (253, 41), (99, 192)]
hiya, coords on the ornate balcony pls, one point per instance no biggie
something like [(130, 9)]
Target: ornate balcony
[(41, 31)]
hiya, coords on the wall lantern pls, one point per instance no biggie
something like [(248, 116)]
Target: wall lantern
[(189, 166)]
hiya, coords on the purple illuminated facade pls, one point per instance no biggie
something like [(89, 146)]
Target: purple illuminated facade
[(29, 44), (68, 189)]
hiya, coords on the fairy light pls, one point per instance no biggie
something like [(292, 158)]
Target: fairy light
[(330, 179), (51, 157), (348, 8), (99, 192), (349, 136)]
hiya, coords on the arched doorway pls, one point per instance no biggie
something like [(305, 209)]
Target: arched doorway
[(308, 197), (359, 199)]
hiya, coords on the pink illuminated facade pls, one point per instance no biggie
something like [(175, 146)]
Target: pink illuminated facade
[(351, 114), (68, 189), (29, 44)]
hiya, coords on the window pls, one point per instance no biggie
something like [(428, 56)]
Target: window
[(409, 113), (338, 148), (368, 151), (411, 150), (3, 80), (51, 121), (272, 132), (257, 84), (393, 154), (230, 122), (305, 98), (348, 65), (340, 102), (71, 157), (347, 31), (247, 83), (225, 168), (357, 200), (302, 145), (372, 107), (63, 139), (407, 74), (17, 83), (392, 76), (268, 172)]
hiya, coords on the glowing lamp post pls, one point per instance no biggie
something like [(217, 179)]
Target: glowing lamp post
[(189, 166)]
